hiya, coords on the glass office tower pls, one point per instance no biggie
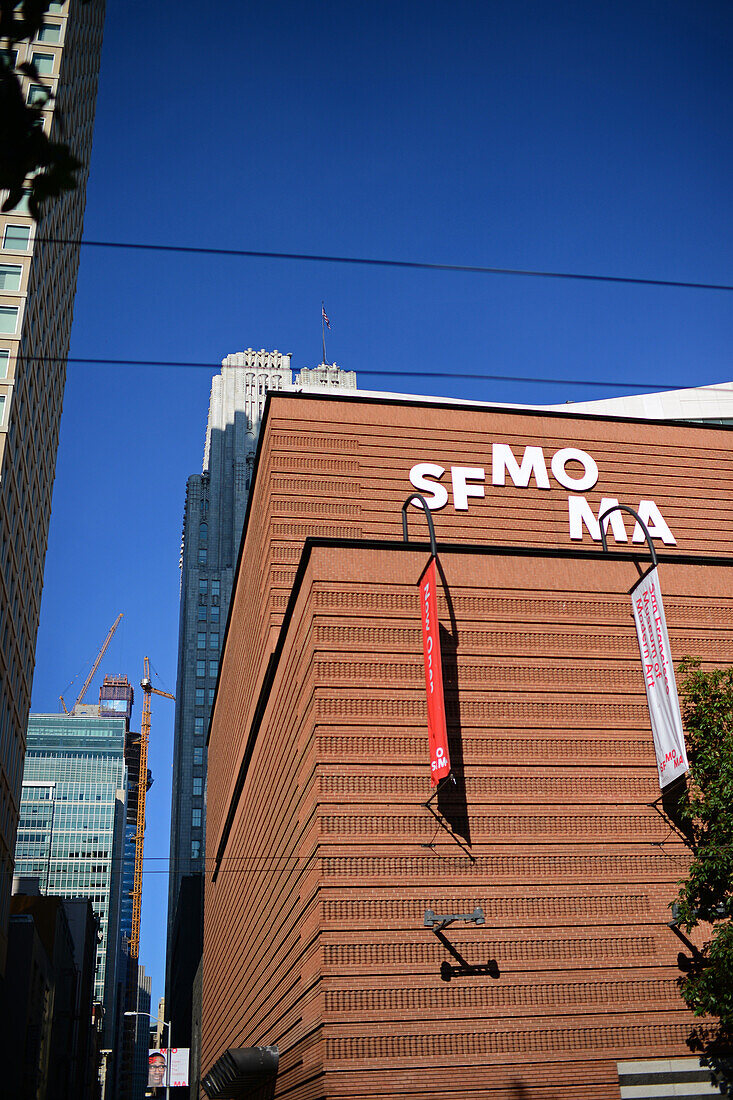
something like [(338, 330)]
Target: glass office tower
[(72, 825)]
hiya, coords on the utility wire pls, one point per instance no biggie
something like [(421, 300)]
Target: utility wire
[(384, 373), (363, 261)]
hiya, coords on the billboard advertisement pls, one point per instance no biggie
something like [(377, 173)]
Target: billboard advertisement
[(167, 1066)]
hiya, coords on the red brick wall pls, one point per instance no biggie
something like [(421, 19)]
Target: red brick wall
[(314, 933)]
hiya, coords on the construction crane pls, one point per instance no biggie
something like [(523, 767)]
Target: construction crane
[(142, 788), (95, 666)]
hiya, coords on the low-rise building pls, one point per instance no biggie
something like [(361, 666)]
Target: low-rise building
[(510, 936), (48, 1037)]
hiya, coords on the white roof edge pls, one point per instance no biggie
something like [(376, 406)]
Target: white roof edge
[(713, 401)]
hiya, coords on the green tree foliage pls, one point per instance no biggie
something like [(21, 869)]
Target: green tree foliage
[(706, 812), (29, 159)]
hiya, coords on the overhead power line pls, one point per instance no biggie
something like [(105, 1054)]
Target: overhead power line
[(411, 265), (386, 373)]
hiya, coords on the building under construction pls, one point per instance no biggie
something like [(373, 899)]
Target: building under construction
[(116, 698)]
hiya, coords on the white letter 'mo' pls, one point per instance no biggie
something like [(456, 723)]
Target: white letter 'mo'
[(533, 462), (576, 484)]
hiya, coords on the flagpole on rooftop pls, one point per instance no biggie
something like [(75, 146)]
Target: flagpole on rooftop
[(324, 322)]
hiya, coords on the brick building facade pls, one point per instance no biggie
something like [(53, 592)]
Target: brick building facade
[(322, 857)]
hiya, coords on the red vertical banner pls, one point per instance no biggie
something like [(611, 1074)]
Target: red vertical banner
[(437, 732)]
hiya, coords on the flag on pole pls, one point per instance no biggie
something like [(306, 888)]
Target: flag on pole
[(324, 316)]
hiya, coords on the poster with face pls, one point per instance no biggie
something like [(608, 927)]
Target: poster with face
[(168, 1066)]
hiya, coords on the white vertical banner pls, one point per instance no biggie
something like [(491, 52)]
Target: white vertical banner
[(661, 689)]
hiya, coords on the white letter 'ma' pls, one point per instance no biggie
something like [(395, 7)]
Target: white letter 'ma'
[(580, 512)]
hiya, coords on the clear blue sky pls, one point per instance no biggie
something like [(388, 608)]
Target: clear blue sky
[(522, 133)]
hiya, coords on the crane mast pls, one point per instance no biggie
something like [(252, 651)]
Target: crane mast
[(142, 789)]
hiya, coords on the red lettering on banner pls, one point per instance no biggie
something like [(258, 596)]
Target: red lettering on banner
[(437, 731), (661, 691)]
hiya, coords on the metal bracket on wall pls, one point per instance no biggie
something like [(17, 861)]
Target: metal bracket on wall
[(438, 923), (448, 779), (438, 790)]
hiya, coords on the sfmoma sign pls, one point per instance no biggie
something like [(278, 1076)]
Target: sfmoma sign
[(569, 467)]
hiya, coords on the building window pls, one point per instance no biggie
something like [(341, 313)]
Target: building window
[(202, 556), (17, 237), (11, 56), (55, 7), (198, 785), (211, 696), (196, 818), (8, 319), (2, 409), (201, 640), (203, 584), (198, 755), (214, 640), (199, 697), (215, 585), (195, 849), (213, 668), (198, 727), (202, 613), (201, 668), (4, 361), (21, 207), (203, 531), (215, 613), (10, 275), (37, 93), (50, 32), (44, 63)]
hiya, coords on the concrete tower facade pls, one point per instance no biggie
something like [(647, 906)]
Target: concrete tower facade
[(37, 288), (216, 502)]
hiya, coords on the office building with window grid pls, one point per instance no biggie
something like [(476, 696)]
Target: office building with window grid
[(216, 502), (37, 288), (72, 826)]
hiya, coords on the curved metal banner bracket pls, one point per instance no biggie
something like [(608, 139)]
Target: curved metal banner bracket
[(440, 767), (639, 520), (431, 528)]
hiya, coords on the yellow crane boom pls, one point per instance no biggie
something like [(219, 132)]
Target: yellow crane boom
[(95, 666), (142, 789)]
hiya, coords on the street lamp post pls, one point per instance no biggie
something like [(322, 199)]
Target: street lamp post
[(166, 1023)]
